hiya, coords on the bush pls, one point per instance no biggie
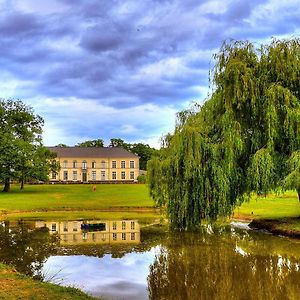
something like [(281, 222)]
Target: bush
[(142, 179)]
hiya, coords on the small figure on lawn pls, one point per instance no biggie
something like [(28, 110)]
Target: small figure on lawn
[(94, 188)]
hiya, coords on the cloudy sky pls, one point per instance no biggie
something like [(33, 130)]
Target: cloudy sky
[(103, 69)]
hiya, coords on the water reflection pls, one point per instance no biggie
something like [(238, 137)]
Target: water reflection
[(26, 247), (95, 232), (228, 264), (215, 263)]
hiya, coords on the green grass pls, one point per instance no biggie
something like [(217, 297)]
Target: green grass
[(75, 202), (56, 197), (17, 286), (270, 207), (283, 211)]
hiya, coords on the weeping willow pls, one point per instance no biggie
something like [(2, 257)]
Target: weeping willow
[(245, 138)]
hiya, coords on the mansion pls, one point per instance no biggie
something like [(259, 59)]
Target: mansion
[(94, 164)]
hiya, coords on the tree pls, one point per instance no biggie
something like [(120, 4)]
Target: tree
[(20, 143), (144, 151), (117, 142), (240, 141), (292, 180), (61, 145), (93, 143)]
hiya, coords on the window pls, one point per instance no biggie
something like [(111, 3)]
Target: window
[(132, 164), (75, 175), (131, 175), (74, 164), (74, 237), (53, 175), (123, 236), (113, 164), (132, 225), (65, 164), (114, 175), (53, 227), (114, 236), (123, 175), (133, 236), (93, 164), (65, 226), (84, 165), (93, 236), (114, 225), (123, 164), (74, 226), (94, 175), (103, 164), (65, 175), (123, 225)]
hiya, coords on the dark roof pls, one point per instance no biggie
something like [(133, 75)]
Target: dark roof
[(92, 152)]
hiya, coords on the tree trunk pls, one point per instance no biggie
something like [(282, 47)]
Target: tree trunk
[(22, 184), (298, 191), (6, 185)]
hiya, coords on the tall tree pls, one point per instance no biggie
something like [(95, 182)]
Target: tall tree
[(20, 141), (240, 140), (92, 143)]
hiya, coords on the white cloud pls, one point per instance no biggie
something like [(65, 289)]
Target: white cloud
[(72, 120)]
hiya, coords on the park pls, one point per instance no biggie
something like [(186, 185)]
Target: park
[(215, 208)]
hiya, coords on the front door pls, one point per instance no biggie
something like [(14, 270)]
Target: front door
[(84, 177), (102, 175)]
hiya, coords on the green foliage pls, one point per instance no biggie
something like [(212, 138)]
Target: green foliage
[(22, 155), (292, 180), (92, 143), (142, 178), (240, 141), (144, 151)]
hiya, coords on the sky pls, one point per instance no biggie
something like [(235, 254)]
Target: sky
[(122, 69)]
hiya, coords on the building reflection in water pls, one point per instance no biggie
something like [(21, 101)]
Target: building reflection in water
[(100, 231)]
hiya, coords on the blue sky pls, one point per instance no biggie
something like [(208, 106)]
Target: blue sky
[(107, 69)]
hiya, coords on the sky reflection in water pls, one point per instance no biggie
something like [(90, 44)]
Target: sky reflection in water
[(112, 278)]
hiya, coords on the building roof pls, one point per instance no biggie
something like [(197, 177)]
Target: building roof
[(92, 152)]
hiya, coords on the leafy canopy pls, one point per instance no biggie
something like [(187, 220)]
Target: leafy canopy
[(245, 138), (22, 155)]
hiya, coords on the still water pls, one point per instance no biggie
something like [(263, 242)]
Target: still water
[(121, 260)]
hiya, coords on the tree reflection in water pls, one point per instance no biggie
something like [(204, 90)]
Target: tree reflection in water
[(26, 248), (225, 265)]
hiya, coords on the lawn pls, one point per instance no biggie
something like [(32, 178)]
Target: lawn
[(75, 196), (270, 207), (17, 286), (75, 202), (122, 201)]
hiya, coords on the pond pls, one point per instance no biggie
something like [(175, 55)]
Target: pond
[(121, 260)]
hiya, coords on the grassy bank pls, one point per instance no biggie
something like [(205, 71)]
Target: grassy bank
[(125, 201), (17, 286), (279, 214), (65, 202), (270, 207)]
